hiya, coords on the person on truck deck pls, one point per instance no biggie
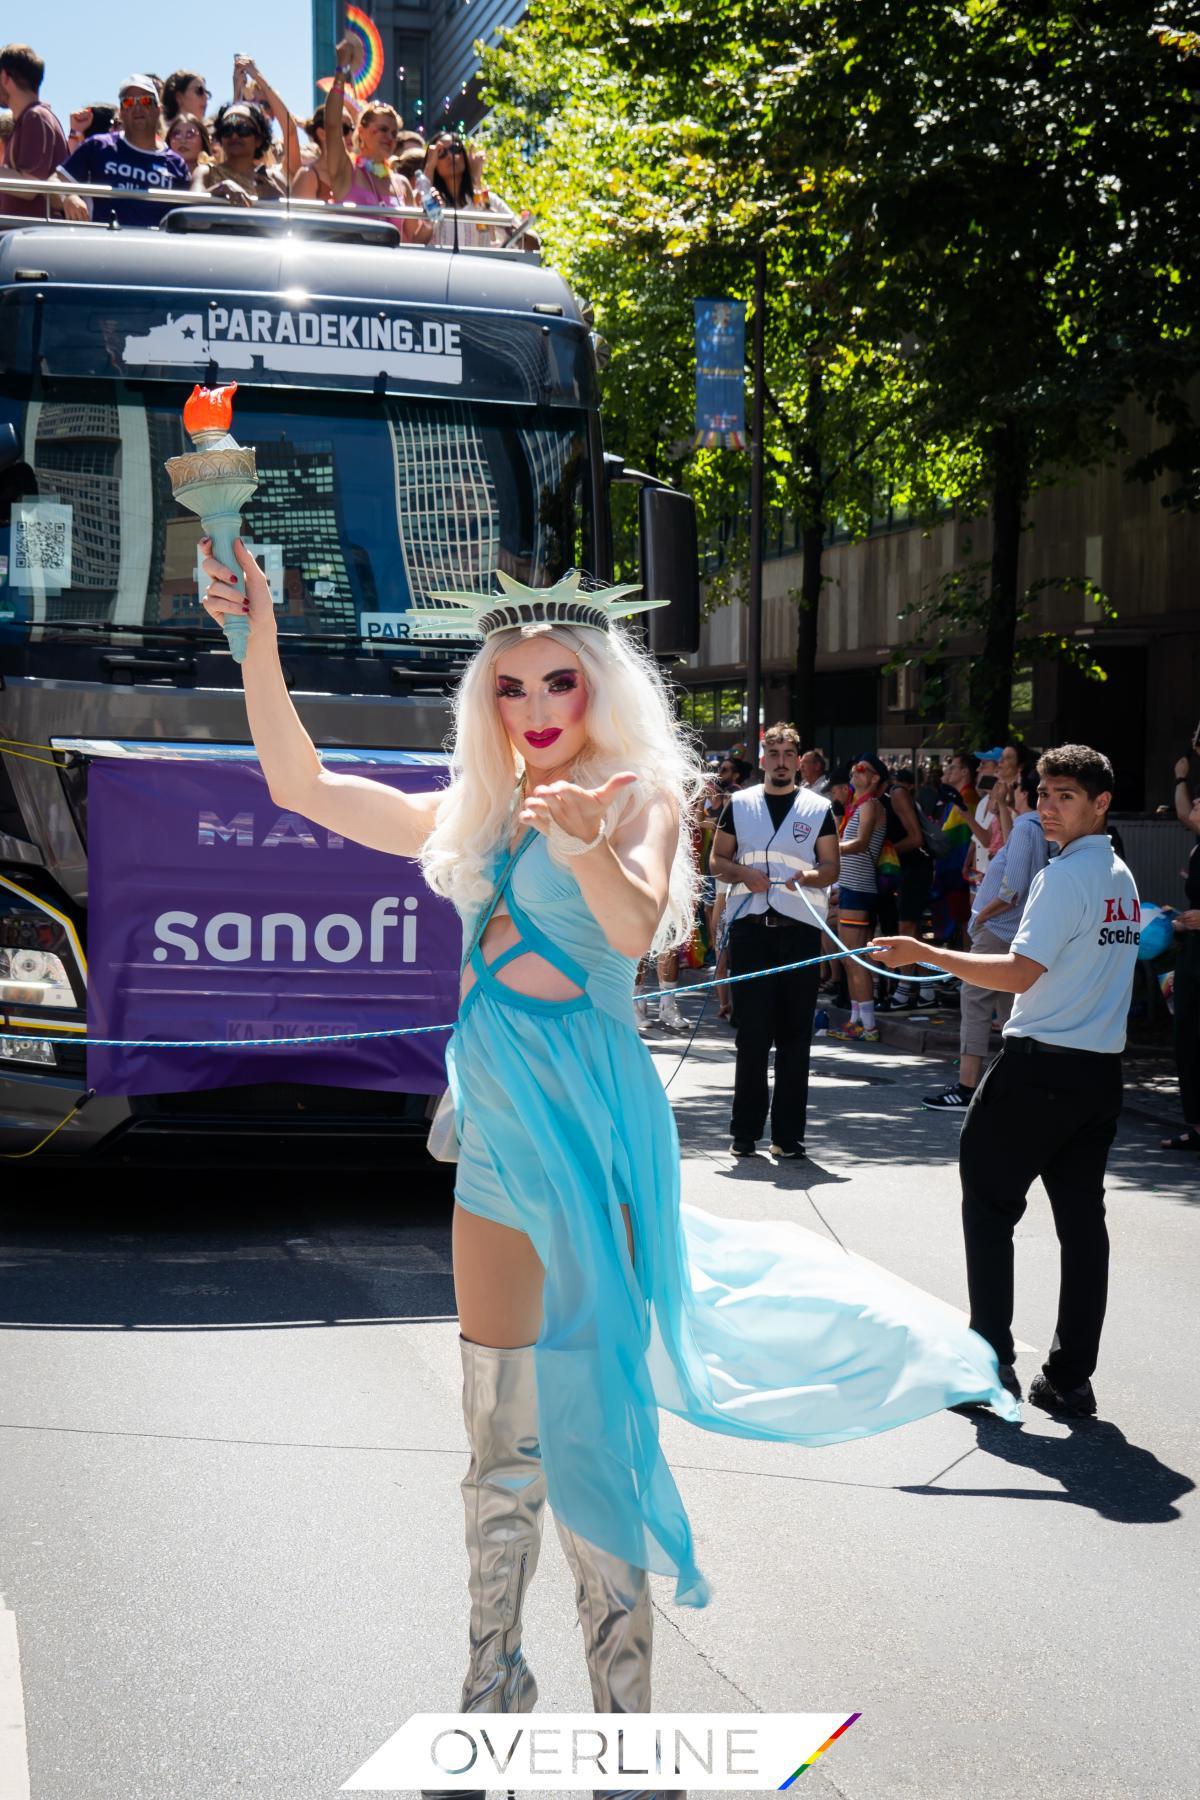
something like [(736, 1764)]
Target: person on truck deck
[(132, 160), (374, 182), (453, 174), (329, 175), (240, 173), (587, 1297), (35, 144), (188, 137), (184, 92)]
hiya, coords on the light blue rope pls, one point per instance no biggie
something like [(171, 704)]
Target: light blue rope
[(358, 1037)]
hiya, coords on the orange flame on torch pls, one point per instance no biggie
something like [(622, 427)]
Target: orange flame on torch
[(209, 409)]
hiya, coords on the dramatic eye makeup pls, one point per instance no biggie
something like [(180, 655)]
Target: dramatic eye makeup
[(559, 681)]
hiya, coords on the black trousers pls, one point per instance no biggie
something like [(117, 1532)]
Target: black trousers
[(1187, 1023), (1052, 1114), (778, 1009)]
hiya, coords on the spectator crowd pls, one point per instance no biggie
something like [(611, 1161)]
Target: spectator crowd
[(942, 851), (163, 136)]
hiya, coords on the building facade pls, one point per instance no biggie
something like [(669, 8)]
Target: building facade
[(431, 67), (1098, 526)]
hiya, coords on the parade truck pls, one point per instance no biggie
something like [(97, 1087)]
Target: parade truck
[(422, 419)]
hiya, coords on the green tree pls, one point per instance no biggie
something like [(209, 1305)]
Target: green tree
[(1019, 187), (663, 154)]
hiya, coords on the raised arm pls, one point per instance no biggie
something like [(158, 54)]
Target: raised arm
[(293, 160), (339, 169), (353, 806)]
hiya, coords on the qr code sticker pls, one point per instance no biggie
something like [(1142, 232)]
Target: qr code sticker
[(40, 546)]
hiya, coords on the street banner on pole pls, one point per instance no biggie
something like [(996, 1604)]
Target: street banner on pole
[(720, 374), (215, 914)]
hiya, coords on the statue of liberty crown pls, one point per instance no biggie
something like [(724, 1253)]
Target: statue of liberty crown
[(566, 603)]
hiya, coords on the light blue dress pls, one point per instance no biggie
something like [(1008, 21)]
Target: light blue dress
[(756, 1330)]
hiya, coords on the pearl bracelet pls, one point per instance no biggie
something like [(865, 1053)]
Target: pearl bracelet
[(568, 845)]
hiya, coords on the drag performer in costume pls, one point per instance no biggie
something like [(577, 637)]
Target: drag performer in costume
[(587, 1297)]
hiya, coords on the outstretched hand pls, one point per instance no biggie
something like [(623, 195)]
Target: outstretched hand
[(895, 952), (576, 810)]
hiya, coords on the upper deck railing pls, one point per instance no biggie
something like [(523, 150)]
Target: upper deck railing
[(500, 218)]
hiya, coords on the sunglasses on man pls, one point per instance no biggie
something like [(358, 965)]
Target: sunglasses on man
[(138, 102)]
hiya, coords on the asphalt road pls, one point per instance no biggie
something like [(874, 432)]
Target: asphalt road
[(230, 1443)]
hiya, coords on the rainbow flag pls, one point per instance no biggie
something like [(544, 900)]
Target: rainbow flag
[(889, 860), (957, 828)]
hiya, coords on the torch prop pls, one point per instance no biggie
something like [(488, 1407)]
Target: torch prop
[(215, 480)]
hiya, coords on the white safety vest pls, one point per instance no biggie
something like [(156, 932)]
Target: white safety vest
[(783, 851)]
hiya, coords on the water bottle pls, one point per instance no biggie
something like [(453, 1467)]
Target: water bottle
[(431, 206)]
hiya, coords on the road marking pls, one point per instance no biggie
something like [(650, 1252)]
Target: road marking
[(14, 1760)]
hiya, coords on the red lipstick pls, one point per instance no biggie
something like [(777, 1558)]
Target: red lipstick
[(541, 739)]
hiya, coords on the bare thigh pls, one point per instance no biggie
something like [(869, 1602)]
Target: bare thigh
[(498, 1281)]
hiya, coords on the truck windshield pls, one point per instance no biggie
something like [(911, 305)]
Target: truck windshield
[(365, 506)]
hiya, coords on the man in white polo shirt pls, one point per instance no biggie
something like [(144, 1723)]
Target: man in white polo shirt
[(1048, 1106)]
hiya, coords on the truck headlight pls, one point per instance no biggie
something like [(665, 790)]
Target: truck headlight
[(27, 1050), (34, 978)]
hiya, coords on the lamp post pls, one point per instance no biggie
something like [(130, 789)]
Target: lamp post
[(754, 622)]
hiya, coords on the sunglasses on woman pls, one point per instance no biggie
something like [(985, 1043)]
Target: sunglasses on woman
[(239, 128), (140, 102), (183, 131)]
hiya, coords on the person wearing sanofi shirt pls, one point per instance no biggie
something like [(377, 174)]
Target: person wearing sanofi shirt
[(1049, 1104), (132, 159)]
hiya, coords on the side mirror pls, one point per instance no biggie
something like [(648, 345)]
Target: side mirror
[(670, 570)]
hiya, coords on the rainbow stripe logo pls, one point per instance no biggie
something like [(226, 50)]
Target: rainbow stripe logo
[(364, 28), (845, 1726)]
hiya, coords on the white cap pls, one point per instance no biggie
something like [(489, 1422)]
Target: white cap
[(139, 84)]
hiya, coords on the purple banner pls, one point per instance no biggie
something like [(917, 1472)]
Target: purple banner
[(214, 914)]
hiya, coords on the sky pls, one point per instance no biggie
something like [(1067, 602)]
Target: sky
[(88, 50)]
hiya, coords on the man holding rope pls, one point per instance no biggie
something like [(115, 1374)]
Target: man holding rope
[(778, 847), (1049, 1104)]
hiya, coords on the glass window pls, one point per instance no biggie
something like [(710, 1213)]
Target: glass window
[(1022, 693), (364, 506), (732, 706), (704, 710), (409, 62)]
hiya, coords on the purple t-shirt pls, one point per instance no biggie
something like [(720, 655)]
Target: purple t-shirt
[(36, 148), (109, 159)]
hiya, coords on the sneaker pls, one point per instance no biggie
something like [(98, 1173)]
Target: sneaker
[(669, 1015), (820, 1023), (743, 1146), (854, 1033), (953, 1100), (1076, 1403), (789, 1152)]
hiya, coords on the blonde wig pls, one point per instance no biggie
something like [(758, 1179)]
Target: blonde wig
[(631, 724)]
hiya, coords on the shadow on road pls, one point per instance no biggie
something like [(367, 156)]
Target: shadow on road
[(178, 1254), (1097, 1465)]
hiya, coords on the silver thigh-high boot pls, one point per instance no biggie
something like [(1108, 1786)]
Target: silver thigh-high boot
[(613, 1600), (504, 1494)]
